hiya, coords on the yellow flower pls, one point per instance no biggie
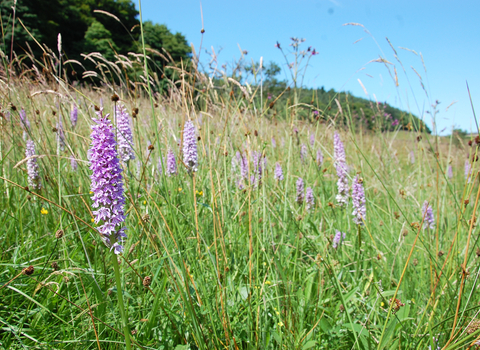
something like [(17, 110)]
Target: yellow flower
[(44, 211), (264, 264), (382, 304), (144, 202), (278, 313), (92, 219), (200, 193), (268, 282), (179, 189), (280, 324), (91, 192)]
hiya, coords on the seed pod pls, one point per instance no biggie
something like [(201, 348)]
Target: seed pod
[(147, 281), (28, 270), (59, 234)]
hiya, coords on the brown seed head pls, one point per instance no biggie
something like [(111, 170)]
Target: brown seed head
[(28, 270), (415, 262), (96, 108), (115, 98), (55, 266), (59, 234), (202, 31), (147, 281), (440, 254), (54, 129), (151, 148), (470, 142), (54, 113), (135, 110), (419, 138), (37, 112)]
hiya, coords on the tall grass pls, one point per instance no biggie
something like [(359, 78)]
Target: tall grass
[(208, 265)]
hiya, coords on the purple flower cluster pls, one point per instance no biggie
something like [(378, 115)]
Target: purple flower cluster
[(358, 199), (60, 136), (24, 120), (303, 152), (468, 168), (341, 167), (309, 198), (412, 157), (450, 172), (73, 163), (171, 163), (32, 166), (427, 215), (278, 174), (258, 168), (319, 158), (74, 115), (190, 157), (274, 143), (107, 184), (312, 140), (300, 190), (338, 239), (124, 134)]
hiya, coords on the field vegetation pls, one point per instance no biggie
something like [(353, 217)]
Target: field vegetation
[(248, 225)]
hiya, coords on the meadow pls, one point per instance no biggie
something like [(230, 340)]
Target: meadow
[(227, 251)]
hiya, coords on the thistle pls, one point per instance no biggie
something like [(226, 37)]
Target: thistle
[(107, 184), (341, 167), (190, 157), (309, 198), (278, 175), (300, 190), (427, 214), (124, 135), (171, 163), (358, 198), (32, 166)]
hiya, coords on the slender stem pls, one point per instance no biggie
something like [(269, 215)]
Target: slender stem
[(123, 313)]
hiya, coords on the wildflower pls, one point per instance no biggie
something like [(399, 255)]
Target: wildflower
[(338, 239), (242, 159), (358, 199), (468, 168), (159, 165), (107, 184), (427, 214), (60, 136), (74, 115), (171, 163), (300, 191), (24, 120), (257, 169), (278, 175), (450, 172), (124, 134), (319, 158), (412, 157), (395, 122), (44, 211), (341, 167), (309, 198), (73, 163), (280, 324), (189, 147), (312, 140), (303, 152), (32, 166), (274, 144)]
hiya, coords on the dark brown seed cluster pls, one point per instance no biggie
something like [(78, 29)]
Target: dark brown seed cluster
[(28, 270), (147, 281), (115, 98), (55, 266), (59, 234)]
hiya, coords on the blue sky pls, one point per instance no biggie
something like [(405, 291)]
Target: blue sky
[(445, 33)]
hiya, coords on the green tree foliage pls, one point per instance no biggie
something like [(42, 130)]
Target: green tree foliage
[(105, 26)]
